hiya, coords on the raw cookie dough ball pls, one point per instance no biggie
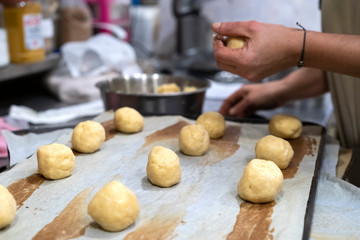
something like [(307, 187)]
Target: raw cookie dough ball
[(87, 137), (55, 161), (114, 207), (189, 89), (235, 42), (213, 122), (285, 126), (274, 149), (128, 120), (261, 181), (7, 207), (168, 88), (194, 140), (163, 167)]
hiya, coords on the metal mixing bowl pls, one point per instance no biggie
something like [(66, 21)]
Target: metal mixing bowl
[(139, 91)]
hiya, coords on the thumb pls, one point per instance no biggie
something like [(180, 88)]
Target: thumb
[(229, 28)]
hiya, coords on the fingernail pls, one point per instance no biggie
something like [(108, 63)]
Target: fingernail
[(232, 111), (216, 25)]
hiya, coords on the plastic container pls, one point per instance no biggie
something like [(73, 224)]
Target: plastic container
[(115, 12), (47, 25), (4, 56), (23, 24)]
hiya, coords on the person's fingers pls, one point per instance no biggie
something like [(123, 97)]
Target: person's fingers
[(225, 55), (222, 53), (238, 94), (220, 37), (231, 101), (239, 109), (230, 28), (224, 108), (226, 67), (218, 43)]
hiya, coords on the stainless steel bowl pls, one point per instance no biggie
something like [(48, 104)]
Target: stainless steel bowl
[(139, 91)]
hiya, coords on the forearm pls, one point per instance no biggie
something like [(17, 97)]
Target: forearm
[(333, 52), (270, 48), (302, 83)]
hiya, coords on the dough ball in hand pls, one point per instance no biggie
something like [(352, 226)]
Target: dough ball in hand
[(194, 140), (87, 137), (114, 207), (55, 161), (274, 149), (163, 167), (7, 207), (235, 42), (128, 120), (285, 126), (261, 181), (213, 122)]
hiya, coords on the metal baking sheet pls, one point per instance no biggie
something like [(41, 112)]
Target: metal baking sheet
[(204, 205)]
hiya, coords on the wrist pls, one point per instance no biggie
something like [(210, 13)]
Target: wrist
[(302, 55), (297, 47)]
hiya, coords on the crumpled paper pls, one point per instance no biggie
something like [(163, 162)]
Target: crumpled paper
[(101, 53), (76, 90)]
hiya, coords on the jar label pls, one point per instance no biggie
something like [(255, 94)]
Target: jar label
[(32, 31), (47, 26)]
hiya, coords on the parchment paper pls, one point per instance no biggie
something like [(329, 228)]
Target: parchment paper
[(204, 205)]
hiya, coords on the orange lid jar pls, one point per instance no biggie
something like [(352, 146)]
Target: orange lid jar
[(23, 25)]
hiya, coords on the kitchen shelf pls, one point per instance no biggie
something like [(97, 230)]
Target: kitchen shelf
[(13, 71)]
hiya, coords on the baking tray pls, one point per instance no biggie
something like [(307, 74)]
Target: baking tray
[(204, 205)]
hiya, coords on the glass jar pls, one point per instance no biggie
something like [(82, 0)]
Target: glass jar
[(47, 23), (4, 56), (23, 24)]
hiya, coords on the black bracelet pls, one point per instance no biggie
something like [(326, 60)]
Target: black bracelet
[(301, 62)]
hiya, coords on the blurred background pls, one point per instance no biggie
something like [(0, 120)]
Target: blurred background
[(167, 36)]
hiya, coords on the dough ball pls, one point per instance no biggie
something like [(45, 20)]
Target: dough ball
[(189, 89), (194, 140), (7, 207), (55, 161), (163, 167), (114, 207), (213, 122), (274, 149), (261, 181), (285, 126), (235, 42), (128, 120), (168, 88), (87, 137)]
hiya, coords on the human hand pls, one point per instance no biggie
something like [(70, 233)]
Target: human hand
[(250, 98), (268, 49)]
